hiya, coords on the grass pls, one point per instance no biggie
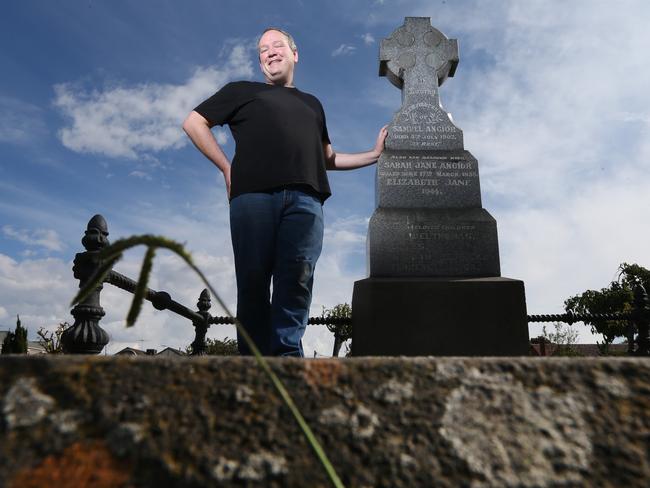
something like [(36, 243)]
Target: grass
[(113, 253)]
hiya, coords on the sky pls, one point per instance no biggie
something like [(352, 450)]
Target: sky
[(551, 96)]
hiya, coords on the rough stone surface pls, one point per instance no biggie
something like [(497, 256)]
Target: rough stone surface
[(531, 432), (24, 404), (383, 422)]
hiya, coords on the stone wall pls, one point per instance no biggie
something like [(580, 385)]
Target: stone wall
[(391, 422)]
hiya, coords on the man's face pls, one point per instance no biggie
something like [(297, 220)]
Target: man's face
[(277, 60)]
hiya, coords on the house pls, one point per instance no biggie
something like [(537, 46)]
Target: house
[(129, 351), (167, 352), (171, 352)]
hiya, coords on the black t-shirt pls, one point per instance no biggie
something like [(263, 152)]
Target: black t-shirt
[(279, 134)]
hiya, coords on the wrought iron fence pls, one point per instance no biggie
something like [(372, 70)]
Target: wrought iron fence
[(638, 321), (86, 336)]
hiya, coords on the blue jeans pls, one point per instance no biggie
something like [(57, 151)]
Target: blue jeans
[(277, 236)]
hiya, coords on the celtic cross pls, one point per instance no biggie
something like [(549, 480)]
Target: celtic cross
[(417, 58)]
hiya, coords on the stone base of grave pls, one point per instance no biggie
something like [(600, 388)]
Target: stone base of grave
[(424, 242), (398, 422), (439, 317)]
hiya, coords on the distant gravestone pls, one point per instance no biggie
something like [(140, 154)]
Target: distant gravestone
[(433, 259)]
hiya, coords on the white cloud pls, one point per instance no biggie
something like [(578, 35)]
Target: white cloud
[(129, 121), (140, 174), (544, 118), (222, 136), (343, 50), (46, 238), (564, 250), (37, 289), (368, 39)]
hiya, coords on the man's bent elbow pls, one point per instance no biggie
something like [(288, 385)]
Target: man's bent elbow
[(188, 124), (192, 121)]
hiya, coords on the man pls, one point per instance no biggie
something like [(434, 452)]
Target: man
[(277, 184)]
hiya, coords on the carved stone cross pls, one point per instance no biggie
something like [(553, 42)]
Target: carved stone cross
[(417, 58)]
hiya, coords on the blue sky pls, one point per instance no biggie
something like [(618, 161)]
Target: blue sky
[(552, 101)]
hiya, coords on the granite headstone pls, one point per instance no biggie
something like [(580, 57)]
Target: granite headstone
[(429, 232)]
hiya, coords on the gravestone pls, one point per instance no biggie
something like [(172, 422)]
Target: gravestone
[(434, 285)]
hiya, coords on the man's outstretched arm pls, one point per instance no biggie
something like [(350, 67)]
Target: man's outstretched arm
[(197, 128), (343, 161)]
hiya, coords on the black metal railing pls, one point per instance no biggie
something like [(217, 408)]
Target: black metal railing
[(86, 336), (638, 321)]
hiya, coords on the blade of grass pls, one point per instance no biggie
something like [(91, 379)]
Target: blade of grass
[(113, 252), (284, 394), (141, 287)]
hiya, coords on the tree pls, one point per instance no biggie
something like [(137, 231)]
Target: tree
[(564, 339), (342, 332), (617, 297), (216, 347), (51, 341), (16, 342), (7, 343)]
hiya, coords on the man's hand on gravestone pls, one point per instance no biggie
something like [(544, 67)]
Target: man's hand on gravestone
[(344, 161), (381, 139)]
